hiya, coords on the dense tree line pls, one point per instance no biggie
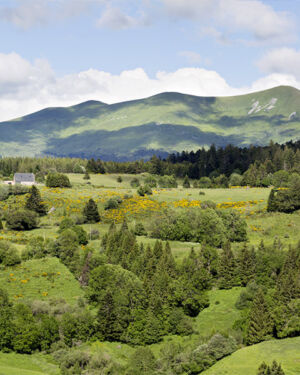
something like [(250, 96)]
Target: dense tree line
[(212, 162)]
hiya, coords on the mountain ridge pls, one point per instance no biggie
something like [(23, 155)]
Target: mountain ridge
[(127, 130)]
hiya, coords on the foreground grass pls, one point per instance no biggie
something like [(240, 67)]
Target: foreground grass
[(246, 361), (21, 364), (40, 279)]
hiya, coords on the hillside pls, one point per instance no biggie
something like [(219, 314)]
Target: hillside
[(247, 360), (162, 123)]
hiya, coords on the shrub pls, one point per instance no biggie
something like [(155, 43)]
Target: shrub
[(144, 190), (167, 182), (21, 220), (151, 181), (205, 182), (111, 204), (235, 179), (8, 254), (140, 230), (186, 183), (94, 234), (57, 180), (86, 176), (135, 182), (119, 179), (90, 212)]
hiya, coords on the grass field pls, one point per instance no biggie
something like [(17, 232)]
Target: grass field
[(247, 360), (21, 364), (40, 279)]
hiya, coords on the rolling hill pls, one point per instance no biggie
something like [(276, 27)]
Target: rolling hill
[(163, 123)]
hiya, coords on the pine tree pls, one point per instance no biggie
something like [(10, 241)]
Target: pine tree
[(1, 225), (186, 183), (106, 318), (260, 324), (34, 202), (246, 265), (86, 176), (90, 212), (227, 269)]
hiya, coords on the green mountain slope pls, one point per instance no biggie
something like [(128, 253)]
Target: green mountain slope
[(165, 122), (247, 360)]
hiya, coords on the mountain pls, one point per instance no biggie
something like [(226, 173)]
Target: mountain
[(163, 123)]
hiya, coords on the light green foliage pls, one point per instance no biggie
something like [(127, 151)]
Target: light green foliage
[(246, 361)]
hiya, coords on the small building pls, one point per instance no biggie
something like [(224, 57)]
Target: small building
[(24, 179)]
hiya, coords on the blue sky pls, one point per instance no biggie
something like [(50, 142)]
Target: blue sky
[(61, 52)]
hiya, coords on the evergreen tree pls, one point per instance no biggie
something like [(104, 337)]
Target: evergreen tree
[(86, 176), (246, 265), (227, 269), (186, 182), (106, 318), (34, 202), (90, 212), (272, 206), (260, 324), (1, 225)]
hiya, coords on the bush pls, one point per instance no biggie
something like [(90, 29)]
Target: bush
[(204, 182), (167, 182), (21, 220), (8, 254), (140, 230), (144, 190), (235, 179), (94, 234), (186, 183), (119, 179), (135, 182), (57, 180), (111, 204), (151, 181)]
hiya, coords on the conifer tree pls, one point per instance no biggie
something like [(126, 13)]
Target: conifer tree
[(34, 202), (246, 265), (106, 318), (227, 269), (1, 225), (86, 176), (90, 212), (260, 324), (186, 183)]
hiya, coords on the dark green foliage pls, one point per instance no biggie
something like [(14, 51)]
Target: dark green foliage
[(235, 225), (119, 179), (186, 183), (190, 225), (82, 236), (34, 202), (246, 262), (86, 176), (227, 270), (140, 230), (167, 182), (151, 181), (287, 200), (144, 190), (66, 249), (274, 369), (6, 324), (111, 204), (57, 180), (135, 182), (21, 219), (90, 212), (78, 327), (8, 254), (1, 225), (65, 223), (260, 323)]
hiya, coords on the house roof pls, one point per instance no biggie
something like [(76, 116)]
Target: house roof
[(24, 177)]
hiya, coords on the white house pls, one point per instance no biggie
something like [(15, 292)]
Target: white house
[(22, 179)]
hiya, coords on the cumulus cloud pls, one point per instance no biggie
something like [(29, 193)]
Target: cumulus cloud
[(30, 86), (260, 20), (281, 60)]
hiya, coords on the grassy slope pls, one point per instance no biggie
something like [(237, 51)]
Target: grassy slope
[(246, 361), (45, 277), (94, 128), (18, 364)]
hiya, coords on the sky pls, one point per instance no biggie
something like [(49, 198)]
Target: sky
[(63, 52)]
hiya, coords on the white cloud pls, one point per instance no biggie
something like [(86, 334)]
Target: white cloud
[(261, 21), (25, 14), (115, 19), (281, 60), (28, 87)]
